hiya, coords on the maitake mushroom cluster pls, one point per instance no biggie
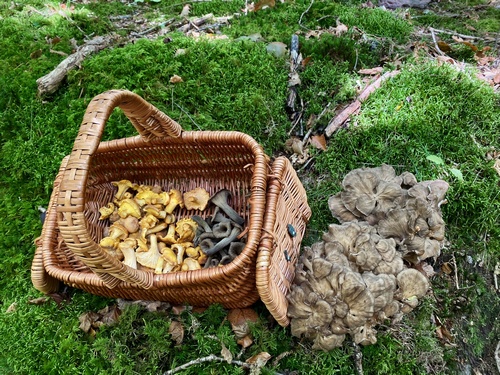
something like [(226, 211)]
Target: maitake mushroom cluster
[(145, 234), (361, 273)]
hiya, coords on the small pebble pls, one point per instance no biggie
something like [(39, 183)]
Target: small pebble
[(469, 259)]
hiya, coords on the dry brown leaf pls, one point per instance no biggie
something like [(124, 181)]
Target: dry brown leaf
[(225, 353), (176, 331), (339, 29), (306, 61), (485, 60), (87, 321), (457, 39), (264, 4), (11, 308), (445, 60), (245, 342), (372, 71), (239, 319), (39, 300), (318, 141), (185, 11), (368, 4), (178, 310), (109, 315), (496, 77), (53, 41), (496, 166), (444, 334), (447, 268), (259, 360), (59, 298), (313, 34), (176, 79), (91, 321)]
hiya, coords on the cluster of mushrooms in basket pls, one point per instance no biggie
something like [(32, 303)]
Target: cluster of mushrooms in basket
[(144, 232)]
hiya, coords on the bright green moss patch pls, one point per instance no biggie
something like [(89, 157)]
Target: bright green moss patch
[(232, 84)]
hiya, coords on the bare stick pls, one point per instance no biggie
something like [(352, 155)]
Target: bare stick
[(48, 84), (60, 53), (196, 22), (496, 272), (302, 15), (455, 33), (343, 116), (435, 42), (188, 115), (210, 358), (313, 125), (497, 356), (456, 271)]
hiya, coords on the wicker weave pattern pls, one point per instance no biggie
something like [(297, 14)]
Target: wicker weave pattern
[(68, 251), (163, 154), (279, 250)]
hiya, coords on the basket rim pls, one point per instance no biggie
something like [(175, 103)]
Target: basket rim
[(152, 125), (269, 291)]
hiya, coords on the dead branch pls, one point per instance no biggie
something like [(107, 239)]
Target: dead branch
[(344, 115), (435, 42), (195, 23), (49, 83), (450, 32), (210, 358)]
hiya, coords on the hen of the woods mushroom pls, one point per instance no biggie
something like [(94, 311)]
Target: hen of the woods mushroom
[(144, 232), (362, 272)]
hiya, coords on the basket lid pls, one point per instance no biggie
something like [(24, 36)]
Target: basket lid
[(287, 213)]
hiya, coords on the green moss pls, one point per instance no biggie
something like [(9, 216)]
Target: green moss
[(237, 85)]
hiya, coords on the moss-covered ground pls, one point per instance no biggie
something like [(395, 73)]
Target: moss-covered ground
[(235, 84)]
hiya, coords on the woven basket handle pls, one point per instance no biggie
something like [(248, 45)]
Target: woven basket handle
[(150, 123)]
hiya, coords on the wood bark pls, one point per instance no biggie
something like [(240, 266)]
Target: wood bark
[(344, 115), (49, 83)]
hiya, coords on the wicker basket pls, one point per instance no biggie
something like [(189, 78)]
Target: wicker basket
[(68, 251)]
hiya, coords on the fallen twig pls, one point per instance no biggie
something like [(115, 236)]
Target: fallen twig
[(210, 358), (195, 23), (315, 122), (49, 83), (343, 116), (435, 42), (496, 272), (497, 356), (303, 13), (450, 32), (60, 53), (456, 271), (155, 27)]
